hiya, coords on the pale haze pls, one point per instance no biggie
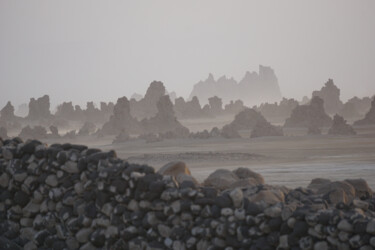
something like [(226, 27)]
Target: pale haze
[(100, 50)]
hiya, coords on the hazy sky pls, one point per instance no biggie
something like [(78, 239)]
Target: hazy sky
[(101, 50)]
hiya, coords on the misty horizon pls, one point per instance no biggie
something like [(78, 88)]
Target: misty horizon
[(116, 49)]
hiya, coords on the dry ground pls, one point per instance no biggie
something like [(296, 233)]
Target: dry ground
[(292, 160)]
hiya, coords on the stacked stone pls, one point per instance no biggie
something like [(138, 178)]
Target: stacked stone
[(71, 197)]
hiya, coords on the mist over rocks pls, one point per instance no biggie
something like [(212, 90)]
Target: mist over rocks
[(308, 115), (369, 117), (253, 89), (75, 197)]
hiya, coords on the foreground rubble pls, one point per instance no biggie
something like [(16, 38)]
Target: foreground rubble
[(67, 196)]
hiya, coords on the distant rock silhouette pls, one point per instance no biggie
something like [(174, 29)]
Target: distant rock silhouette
[(87, 129), (165, 119), (39, 108), (189, 109), (330, 94), (370, 116), (340, 127), (264, 128), (121, 120), (136, 96), (308, 115), (278, 112), (7, 113), (234, 107), (246, 119), (216, 105), (54, 131), (146, 107), (253, 89)]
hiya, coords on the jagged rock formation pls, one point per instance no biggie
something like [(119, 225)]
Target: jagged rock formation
[(121, 120), (36, 132), (330, 94), (67, 111), (253, 89), (340, 127), (165, 120), (39, 109), (262, 129), (312, 114), (246, 119), (278, 112), (88, 199), (7, 113), (370, 116), (189, 109), (234, 107), (146, 107), (216, 105), (350, 111)]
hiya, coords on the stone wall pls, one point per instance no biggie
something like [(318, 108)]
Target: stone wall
[(67, 196)]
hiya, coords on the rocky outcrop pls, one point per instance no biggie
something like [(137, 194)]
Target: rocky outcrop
[(7, 113), (246, 119), (330, 94), (188, 110), (88, 199), (253, 89), (216, 105), (147, 106), (122, 137), (278, 112), (370, 116), (340, 127), (234, 107), (39, 109), (54, 131), (263, 129), (121, 119), (165, 120), (312, 114)]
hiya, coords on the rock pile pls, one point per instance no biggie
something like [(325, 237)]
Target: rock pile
[(306, 115), (72, 197), (370, 116), (266, 129), (340, 127)]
